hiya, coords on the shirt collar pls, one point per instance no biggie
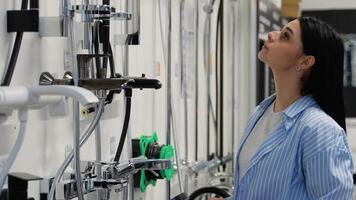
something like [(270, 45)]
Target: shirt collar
[(299, 105), (289, 114), (293, 109)]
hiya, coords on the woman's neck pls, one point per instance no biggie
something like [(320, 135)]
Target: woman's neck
[(288, 90)]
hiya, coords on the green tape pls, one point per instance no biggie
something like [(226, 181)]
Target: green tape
[(144, 182), (166, 152)]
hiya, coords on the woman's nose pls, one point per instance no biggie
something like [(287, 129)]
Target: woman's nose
[(270, 37)]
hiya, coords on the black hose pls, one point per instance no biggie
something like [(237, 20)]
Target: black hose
[(111, 61), (218, 24), (128, 94), (209, 190), (15, 52), (221, 110), (110, 96), (96, 47)]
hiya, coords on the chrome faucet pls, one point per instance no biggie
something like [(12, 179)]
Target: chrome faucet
[(115, 176)]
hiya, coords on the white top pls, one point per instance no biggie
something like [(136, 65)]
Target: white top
[(263, 128)]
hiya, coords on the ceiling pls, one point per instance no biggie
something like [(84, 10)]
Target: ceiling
[(327, 4)]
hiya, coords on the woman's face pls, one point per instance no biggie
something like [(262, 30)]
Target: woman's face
[(283, 49)]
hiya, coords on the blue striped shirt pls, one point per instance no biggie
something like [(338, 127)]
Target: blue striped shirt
[(306, 157)]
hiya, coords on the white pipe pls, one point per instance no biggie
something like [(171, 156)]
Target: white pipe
[(16, 97)]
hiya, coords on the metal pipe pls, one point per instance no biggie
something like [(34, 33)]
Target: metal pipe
[(63, 12), (233, 75), (196, 36), (169, 85), (135, 18), (184, 90), (207, 35), (98, 149), (133, 7), (87, 21)]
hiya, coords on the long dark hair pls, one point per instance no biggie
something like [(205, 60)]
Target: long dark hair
[(325, 81)]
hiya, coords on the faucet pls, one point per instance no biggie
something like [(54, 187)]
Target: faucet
[(114, 176)]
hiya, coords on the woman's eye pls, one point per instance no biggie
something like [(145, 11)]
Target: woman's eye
[(284, 36)]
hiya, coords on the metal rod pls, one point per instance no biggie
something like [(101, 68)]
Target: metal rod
[(208, 71), (128, 8), (196, 36), (169, 86), (196, 65), (87, 32), (233, 78), (98, 149)]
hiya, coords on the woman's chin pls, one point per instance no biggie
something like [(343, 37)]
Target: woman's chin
[(260, 56)]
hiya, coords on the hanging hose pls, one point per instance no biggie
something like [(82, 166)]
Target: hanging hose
[(15, 52), (110, 96), (76, 117), (111, 62), (208, 8), (174, 132), (128, 94), (206, 46), (87, 133), (176, 152), (96, 37), (96, 47), (17, 146), (219, 102)]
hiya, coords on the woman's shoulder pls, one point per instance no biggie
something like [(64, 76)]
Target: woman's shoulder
[(319, 132), (315, 119)]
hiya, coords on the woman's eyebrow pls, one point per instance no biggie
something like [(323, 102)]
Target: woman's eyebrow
[(290, 30)]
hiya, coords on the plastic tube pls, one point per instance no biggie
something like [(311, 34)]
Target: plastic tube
[(17, 146), (87, 133)]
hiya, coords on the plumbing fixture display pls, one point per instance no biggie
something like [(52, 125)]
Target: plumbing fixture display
[(100, 68), (149, 147)]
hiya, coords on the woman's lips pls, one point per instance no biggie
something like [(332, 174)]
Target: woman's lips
[(265, 45)]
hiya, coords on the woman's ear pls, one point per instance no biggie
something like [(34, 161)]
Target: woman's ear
[(307, 62)]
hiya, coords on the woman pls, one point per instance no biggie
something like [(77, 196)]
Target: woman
[(294, 146)]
